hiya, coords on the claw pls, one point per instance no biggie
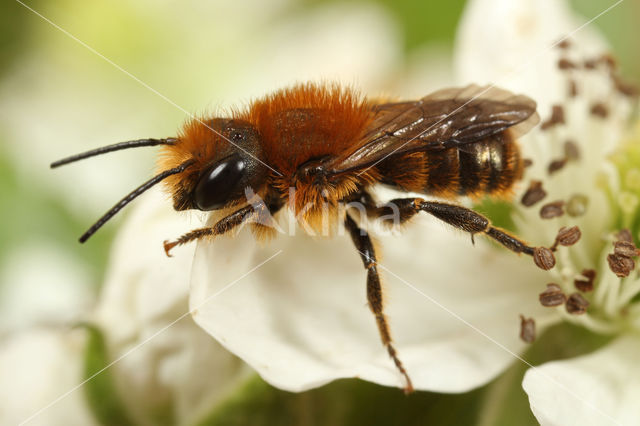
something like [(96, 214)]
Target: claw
[(408, 389), (168, 246)]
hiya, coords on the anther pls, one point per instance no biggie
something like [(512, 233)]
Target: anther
[(566, 64), (625, 249), (624, 235), (551, 210), (556, 165), (620, 265), (571, 150), (534, 193), (552, 296), (544, 258), (585, 284), (557, 117), (567, 237), (527, 329), (599, 109), (577, 205), (576, 304)]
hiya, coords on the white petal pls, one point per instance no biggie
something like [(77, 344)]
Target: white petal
[(597, 389), (144, 309), (509, 43), (301, 319), (37, 368), (143, 285)]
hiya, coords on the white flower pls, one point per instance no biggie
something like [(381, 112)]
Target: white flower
[(600, 192), (301, 319), (166, 365), (165, 368), (36, 368)]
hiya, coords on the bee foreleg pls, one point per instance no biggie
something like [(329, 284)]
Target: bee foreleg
[(365, 247), (223, 226)]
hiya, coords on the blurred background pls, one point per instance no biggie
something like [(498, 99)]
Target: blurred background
[(57, 97)]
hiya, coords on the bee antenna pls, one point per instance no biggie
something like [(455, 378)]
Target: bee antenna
[(131, 196), (111, 148)]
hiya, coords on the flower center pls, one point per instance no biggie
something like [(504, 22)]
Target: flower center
[(596, 283)]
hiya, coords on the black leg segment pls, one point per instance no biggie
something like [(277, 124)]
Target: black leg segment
[(462, 218), (365, 247)]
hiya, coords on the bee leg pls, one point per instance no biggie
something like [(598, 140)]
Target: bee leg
[(223, 226), (461, 218), (364, 246)]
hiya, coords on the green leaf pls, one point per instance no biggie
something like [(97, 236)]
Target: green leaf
[(498, 211), (344, 402), (100, 390)]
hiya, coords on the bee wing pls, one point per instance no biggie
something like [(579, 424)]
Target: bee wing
[(446, 118)]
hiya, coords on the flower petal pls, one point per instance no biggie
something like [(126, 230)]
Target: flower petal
[(596, 389), (37, 368), (510, 43), (168, 361), (301, 319)]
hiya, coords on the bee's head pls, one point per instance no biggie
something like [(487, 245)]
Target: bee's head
[(207, 167), (226, 161)]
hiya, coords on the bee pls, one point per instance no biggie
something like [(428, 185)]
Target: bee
[(332, 145)]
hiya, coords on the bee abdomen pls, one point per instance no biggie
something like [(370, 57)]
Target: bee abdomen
[(487, 167)]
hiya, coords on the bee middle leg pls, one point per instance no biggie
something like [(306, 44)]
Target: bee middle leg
[(365, 247)]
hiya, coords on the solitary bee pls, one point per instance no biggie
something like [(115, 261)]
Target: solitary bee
[(332, 145)]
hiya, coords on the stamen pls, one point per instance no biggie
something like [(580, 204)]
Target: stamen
[(576, 304), (620, 265), (590, 64), (557, 117), (624, 235), (552, 296), (625, 249), (586, 284), (626, 89), (527, 329), (551, 210), (565, 64), (577, 205), (573, 88), (571, 150), (544, 258), (556, 165), (599, 109), (567, 237), (534, 193)]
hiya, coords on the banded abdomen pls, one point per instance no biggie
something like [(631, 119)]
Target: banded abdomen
[(487, 167)]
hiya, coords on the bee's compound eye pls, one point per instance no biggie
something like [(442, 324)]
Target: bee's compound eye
[(219, 183)]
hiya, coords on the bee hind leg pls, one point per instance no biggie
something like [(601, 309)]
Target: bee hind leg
[(364, 245), (462, 218)]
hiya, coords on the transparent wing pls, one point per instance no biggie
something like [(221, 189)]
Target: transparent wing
[(443, 119)]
